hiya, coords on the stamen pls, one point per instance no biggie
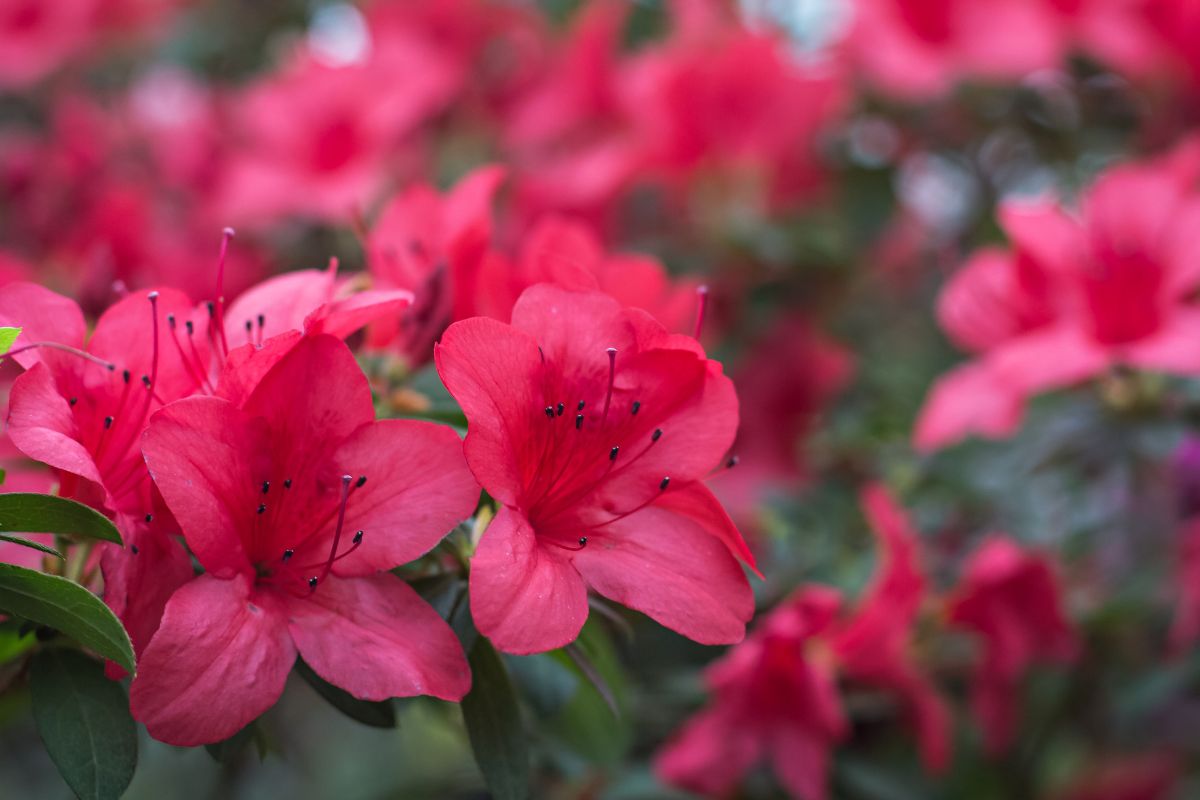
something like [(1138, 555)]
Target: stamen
[(580, 406), (287, 554), (249, 332), (637, 404), (654, 437), (125, 376), (612, 373), (732, 462), (312, 583), (702, 306), (66, 348), (149, 518), (337, 532), (541, 354), (666, 481), (287, 483), (266, 487), (579, 422), (572, 548), (612, 454), (226, 235), (153, 378), (73, 401), (559, 409), (195, 372), (549, 412), (133, 548), (358, 537), (262, 508), (362, 479), (108, 421)]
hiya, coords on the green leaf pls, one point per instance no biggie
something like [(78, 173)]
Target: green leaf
[(494, 726), (14, 642), (226, 751), (4, 537), (45, 513), (376, 714), (84, 721), (68, 607), (7, 337)]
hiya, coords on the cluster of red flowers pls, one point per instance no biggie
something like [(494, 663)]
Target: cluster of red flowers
[(280, 482)]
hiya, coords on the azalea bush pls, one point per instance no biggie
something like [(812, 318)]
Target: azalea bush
[(462, 398)]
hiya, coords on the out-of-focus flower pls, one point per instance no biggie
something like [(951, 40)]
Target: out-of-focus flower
[(595, 429), (775, 696), (1150, 776), (784, 383), (567, 253), (433, 245), (323, 141), (1010, 598), (1074, 298), (296, 504), (1185, 628)]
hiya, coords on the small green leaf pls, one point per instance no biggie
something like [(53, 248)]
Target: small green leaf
[(83, 719), (494, 726), (4, 537), (44, 513), (3, 475), (376, 714), (13, 641), (7, 337), (67, 607)]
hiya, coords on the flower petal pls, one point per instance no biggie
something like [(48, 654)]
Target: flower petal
[(524, 596), (220, 658), (376, 638)]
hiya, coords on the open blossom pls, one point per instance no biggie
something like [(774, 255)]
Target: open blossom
[(775, 696), (296, 504), (594, 428), (1072, 299), (1010, 598)]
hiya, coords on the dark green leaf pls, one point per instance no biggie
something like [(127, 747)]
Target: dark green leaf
[(68, 607), (494, 725), (13, 641), (543, 681), (7, 337), (4, 537), (376, 714), (84, 721), (227, 750), (3, 475), (45, 513)]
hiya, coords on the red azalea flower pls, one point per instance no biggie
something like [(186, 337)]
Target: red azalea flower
[(296, 504), (594, 429), (774, 698), (432, 245), (1074, 299), (1010, 597), (355, 119), (567, 253), (38, 37)]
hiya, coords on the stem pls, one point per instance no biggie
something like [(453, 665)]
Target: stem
[(77, 562)]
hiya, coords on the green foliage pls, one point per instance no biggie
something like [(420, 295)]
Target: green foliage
[(7, 337), (45, 513), (494, 725), (84, 721), (376, 714), (67, 607)]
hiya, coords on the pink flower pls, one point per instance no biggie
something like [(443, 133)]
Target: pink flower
[(775, 696), (432, 245), (1011, 599), (321, 141), (37, 38), (1074, 298), (296, 504), (594, 429)]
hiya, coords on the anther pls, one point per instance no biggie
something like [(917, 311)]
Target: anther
[(732, 462), (73, 401), (146, 381), (358, 484), (635, 407), (262, 320), (541, 354), (654, 437), (108, 421), (171, 321), (125, 375), (662, 487), (580, 406), (149, 518), (559, 409), (312, 582), (262, 508), (287, 483), (612, 454), (191, 328), (549, 412), (583, 541), (266, 487), (288, 554), (212, 308), (133, 548), (579, 422), (358, 537)]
